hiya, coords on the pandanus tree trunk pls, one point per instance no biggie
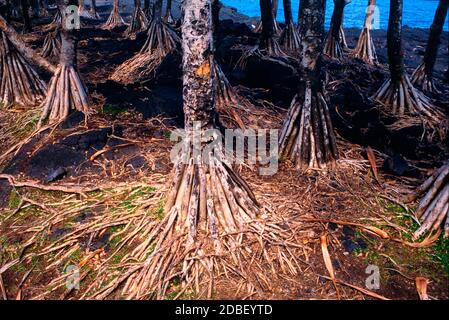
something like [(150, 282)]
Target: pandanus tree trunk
[(398, 93), (423, 76), (433, 208), (275, 5), (307, 136), (290, 37), (52, 44), (267, 40), (168, 18), (66, 91), (365, 49), (139, 21), (161, 40), (26, 16), (93, 10), (114, 20), (208, 205), (333, 47)]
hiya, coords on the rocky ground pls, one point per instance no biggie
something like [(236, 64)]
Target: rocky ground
[(86, 185)]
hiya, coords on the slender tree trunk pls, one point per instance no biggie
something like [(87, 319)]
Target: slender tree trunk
[(307, 136), (290, 36), (167, 16), (26, 18), (114, 20), (93, 9), (139, 21), (157, 12), (398, 93), (216, 7), (267, 40), (333, 47), (423, 75), (365, 49)]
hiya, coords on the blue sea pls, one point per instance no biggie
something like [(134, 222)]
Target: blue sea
[(417, 13)]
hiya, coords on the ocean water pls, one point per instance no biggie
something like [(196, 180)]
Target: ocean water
[(417, 13)]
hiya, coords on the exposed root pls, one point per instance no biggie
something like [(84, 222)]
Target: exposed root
[(161, 41), (52, 45), (365, 49), (139, 22), (343, 42), (86, 14), (421, 80), (57, 19), (160, 37), (290, 39), (403, 99), (66, 92), (258, 28), (333, 46), (114, 20), (271, 47), (307, 137), (19, 83), (227, 100), (433, 209), (212, 227), (247, 53)]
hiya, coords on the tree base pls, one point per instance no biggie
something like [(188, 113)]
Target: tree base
[(139, 22), (404, 99), (433, 209), (365, 49), (421, 80), (290, 39), (83, 13), (333, 47), (161, 40), (213, 227), (227, 100), (52, 45), (307, 136), (19, 83), (66, 92), (57, 19), (114, 20)]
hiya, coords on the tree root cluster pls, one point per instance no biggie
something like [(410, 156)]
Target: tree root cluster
[(333, 47), (365, 49), (402, 98), (421, 80), (20, 84), (161, 41), (290, 39), (66, 92), (139, 22), (52, 45), (433, 209), (114, 20), (307, 137)]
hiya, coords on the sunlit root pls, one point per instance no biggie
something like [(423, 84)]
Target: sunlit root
[(307, 137), (421, 80), (212, 227), (114, 20), (290, 39), (433, 209), (52, 45), (401, 98), (19, 83), (365, 49), (66, 92)]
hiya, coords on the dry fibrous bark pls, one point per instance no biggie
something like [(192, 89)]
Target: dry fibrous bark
[(19, 83), (161, 40), (139, 21), (114, 20), (307, 137), (335, 42), (290, 36), (226, 99), (365, 49), (66, 91), (433, 208), (52, 44), (423, 76), (398, 93), (212, 216)]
